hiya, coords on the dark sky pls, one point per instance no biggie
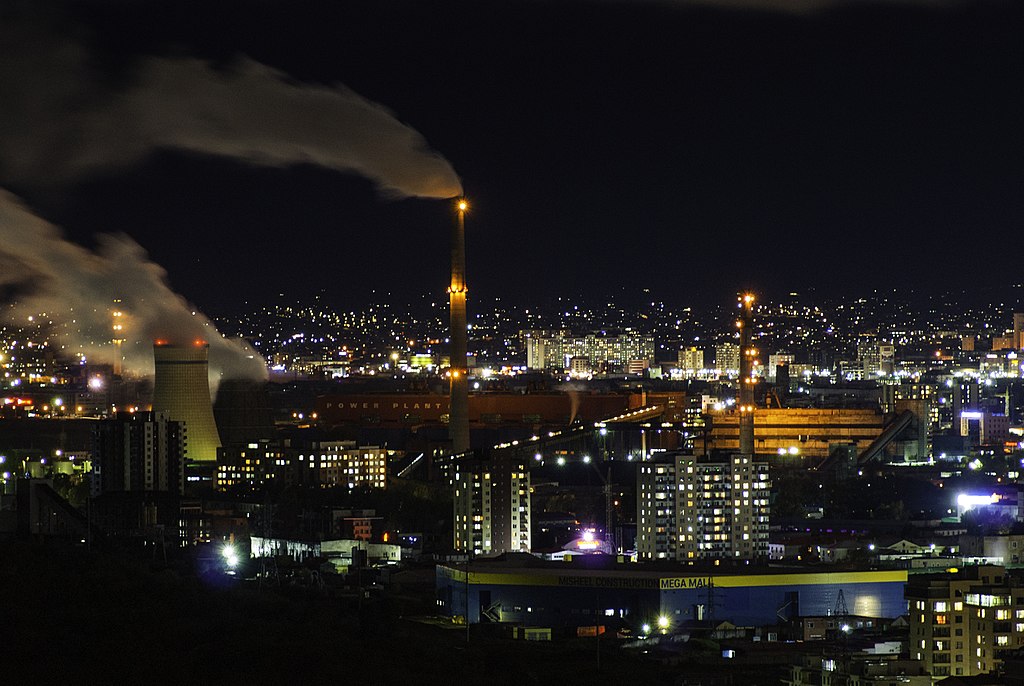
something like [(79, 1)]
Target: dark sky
[(691, 148)]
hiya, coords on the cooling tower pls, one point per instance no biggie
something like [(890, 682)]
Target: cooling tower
[(182, 390)]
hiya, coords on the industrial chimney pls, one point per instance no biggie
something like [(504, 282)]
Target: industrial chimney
[(748, 374), (458, 413), (182, 390)]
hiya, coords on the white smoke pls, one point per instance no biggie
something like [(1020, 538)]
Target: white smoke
[(248, 113), (77, 290), (63, 118)]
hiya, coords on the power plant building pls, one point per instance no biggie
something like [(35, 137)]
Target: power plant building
[(408, 409), (181, 389), (798, 432)]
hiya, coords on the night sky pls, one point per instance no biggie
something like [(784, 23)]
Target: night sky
[(692, 148)]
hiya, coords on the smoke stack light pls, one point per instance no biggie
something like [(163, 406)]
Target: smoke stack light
[(463, 205)]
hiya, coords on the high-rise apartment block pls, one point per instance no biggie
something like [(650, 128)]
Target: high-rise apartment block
[(691, 361), (138, 475), (962, 623), (555, 349), (701, 508), (875, 357), (492, 507), (138, 452), (727, 358)]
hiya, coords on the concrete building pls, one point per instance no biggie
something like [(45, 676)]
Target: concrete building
[(875, 357), (797, 432), (579, 367), (589, 590), (138, 452), (692, 509), (984, 428), (554, 349), (961, 623), (181, 388), (324, 464), (1004, 549), (492, 507), (138, 475), (1003, 342), (779, 360), (859, 668), (727, 358), (407, 409), (691, 361)]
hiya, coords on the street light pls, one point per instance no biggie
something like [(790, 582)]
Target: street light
[(230, 556)]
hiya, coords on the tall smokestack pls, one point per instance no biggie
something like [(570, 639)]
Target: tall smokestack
[(458, 413), (182, 390), (748, 362), (118, 340)]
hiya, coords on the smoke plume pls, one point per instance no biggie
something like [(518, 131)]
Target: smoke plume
[(76, 289), (62, 119)]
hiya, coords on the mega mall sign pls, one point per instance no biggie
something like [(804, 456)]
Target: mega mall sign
[(678, 583)]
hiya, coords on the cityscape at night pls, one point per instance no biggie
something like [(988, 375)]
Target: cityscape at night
[(540, 341)]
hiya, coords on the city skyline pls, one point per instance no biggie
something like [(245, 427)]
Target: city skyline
[(535, 341), (715, 146)]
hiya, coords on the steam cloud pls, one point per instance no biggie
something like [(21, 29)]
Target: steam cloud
[(63, 119), (76, 289)]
